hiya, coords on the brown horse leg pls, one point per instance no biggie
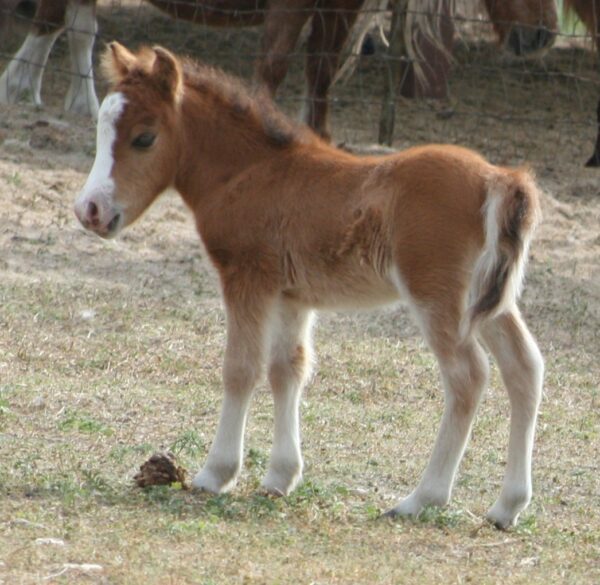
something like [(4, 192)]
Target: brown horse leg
[(594, 160), (283, 25), (23, 76), (49, 17), (330, 27)]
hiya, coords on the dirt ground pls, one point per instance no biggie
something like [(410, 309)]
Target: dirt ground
[(59, 284)]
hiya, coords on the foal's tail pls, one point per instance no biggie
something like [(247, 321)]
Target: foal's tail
[(511, 212)]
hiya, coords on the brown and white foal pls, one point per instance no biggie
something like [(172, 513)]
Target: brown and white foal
[(293, 225)]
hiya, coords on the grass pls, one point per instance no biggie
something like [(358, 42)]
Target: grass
[(104, 364), (84, 402)]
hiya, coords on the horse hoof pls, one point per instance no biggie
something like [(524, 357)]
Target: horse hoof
[(593, 162)]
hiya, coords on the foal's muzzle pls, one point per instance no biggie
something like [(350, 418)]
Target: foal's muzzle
[(98, 216)]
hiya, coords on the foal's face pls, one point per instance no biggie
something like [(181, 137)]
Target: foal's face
[(136, 155)]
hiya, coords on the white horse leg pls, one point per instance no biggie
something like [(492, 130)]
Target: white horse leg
[(244, 356), (22, 79), (81, 30), (464, 369), (464, 380), (522, 369), (289, 369)]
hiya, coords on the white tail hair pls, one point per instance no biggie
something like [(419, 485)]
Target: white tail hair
[(511, 212)]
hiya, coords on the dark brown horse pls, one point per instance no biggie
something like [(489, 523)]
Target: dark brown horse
[(589, 13), (523, 27)]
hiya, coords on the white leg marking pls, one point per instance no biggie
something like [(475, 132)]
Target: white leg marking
[(246, 340), (291, 360), (464, 381), (23, 76), (224, 460), (81, 30), (522, 368)]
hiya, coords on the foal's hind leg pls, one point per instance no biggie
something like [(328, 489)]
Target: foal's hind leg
[(522, 370), (289, 368), (464, 370), (244, 356)]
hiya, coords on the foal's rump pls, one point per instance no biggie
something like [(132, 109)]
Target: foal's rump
[(461, 230)]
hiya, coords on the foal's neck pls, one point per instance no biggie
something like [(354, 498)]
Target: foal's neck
[(224, 131)]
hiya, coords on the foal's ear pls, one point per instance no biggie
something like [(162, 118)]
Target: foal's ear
[(117, 62), (166, 71)]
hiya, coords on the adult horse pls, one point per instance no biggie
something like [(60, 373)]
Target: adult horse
[(589, 13), (522, 26), (283, 22)]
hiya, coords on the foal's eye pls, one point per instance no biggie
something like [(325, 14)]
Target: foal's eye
[(144, 140)]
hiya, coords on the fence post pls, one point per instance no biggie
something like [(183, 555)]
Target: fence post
[(391, 79)]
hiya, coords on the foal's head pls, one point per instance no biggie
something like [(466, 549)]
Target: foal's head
[(137, 146)]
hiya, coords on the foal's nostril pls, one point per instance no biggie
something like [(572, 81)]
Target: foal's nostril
[(92, 210), (92, 213)]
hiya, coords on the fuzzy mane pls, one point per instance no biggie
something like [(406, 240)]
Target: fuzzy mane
[(252, 105), (243, 101)]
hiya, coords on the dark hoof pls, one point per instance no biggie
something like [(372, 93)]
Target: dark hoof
[(594, 161), (392, 514)]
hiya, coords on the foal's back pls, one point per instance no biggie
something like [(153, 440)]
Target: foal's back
[(337, 231)]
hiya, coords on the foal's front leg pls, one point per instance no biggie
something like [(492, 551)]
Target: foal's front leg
[(244, 357), (289, 369)]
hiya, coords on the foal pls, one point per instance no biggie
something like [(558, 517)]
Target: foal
[(293, 225)]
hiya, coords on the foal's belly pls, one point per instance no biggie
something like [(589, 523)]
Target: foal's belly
[(336, 295)]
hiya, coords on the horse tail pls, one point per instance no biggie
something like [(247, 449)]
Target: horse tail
[(511, 212), (371, 16)]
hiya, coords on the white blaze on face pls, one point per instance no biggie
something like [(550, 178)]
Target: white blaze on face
[(99, 187)]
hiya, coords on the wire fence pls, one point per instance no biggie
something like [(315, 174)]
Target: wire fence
[(539, 108)]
